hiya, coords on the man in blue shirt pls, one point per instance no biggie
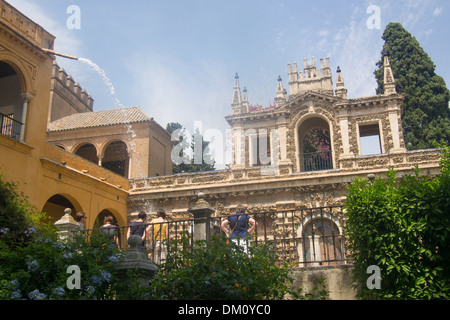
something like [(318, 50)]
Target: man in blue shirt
[(238, 227)]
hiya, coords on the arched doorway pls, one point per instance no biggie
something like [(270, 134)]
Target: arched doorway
[(88, 151), (116, 158), (101, 217), (56, 204), (11, 103), (121, 232), (314, 143)]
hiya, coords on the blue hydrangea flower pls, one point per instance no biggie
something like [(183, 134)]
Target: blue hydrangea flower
[(67, 255), (33, 266), (58, 245), (16, 295), (36, 295), (96, 280), (89, 289), (14, 283), (31, 230), (113, 259), (106, 276), (4, 230), (59, 291)]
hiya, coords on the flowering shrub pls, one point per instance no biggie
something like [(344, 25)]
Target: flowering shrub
[(219, 271), (38, 270), (34, 262), (36, 265)]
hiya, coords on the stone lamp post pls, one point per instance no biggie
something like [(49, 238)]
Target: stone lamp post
[(202, 218)]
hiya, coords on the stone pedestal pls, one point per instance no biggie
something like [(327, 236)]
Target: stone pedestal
[(67, 226), (135, 260), (202, 218)]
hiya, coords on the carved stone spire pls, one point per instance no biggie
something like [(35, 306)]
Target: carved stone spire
[(236, 103), (389, 81), (341, 91), (245, 105), (281, 92)]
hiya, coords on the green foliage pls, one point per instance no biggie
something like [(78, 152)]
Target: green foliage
[(38, 270), (14, 209), (402, 225), (220, 271), (426, 113), (34, 262)]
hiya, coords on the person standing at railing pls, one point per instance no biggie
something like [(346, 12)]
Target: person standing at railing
[(111, 230), (80, 218), (139, 228), (238, 230), (159, 231)]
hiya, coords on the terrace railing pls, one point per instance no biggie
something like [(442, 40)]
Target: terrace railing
[(303, 238), (10, 127), (316, 161)]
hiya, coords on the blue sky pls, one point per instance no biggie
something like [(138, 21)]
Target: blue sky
[(177, 59)]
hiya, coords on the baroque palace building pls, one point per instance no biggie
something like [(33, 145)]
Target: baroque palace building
[(302, 152)]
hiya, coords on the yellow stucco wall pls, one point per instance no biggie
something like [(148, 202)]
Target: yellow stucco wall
[(39, 169)]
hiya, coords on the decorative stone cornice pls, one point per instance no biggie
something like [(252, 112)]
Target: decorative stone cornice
[(21, 27)]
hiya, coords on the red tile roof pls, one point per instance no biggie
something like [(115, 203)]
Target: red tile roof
[(99, 119)]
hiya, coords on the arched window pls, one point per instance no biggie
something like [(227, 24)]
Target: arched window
[(321, 243), (315, 152), (88, 151), (11, 103), (116, 158)]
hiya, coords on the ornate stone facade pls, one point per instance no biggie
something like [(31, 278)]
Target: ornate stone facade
[(277, 178)]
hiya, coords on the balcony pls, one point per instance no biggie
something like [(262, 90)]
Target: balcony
[(316, 161), (10, 127)]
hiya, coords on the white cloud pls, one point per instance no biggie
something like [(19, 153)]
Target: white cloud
[(437, 11), (324, 33), (356, 49), (172, 91)]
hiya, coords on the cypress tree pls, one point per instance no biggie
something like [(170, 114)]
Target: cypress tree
[(426, 113)]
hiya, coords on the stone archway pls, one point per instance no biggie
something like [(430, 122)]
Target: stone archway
[(55, 205), (314, 145), (116, 158), (87, 151), (322, 242), (12, 111)]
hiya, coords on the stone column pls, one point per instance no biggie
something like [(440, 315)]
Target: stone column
[(26, 97), (345, 136), (239, 148), (202, 218), (394, 111), (67, 226), (135, 260)]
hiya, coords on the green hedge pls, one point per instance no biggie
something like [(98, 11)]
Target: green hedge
[(402, 226)]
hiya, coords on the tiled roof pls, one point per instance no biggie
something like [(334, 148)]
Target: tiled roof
[(99, 119)]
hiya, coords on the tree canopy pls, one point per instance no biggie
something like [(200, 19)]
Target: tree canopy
[(426, 113)]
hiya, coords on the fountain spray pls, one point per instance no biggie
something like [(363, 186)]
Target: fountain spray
[(106, 80)]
